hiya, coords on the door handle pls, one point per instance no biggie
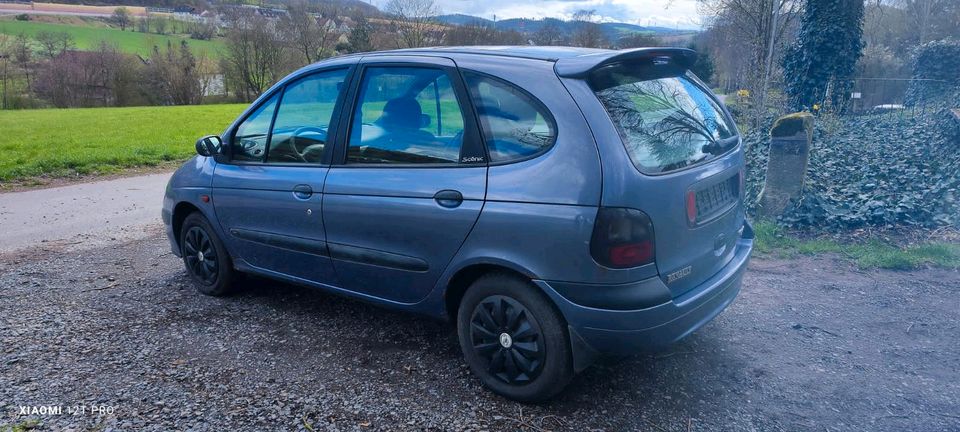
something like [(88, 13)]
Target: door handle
[(449, 198), (302, 191)]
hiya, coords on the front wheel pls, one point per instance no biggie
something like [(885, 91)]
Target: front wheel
[(205, 257), (513, 339)]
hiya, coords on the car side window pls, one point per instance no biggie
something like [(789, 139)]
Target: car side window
[(515, 125), (406, 115), (249, 142), (300, 130)]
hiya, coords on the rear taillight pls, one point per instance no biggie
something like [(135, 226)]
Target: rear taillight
[(622, 238), (691, 207)]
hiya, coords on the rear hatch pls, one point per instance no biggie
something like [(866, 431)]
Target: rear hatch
[(689, 165)]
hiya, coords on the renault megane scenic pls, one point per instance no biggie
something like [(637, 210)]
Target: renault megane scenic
[(557, 204)]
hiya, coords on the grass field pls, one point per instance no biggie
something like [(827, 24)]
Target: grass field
[(59, 142), (88, 37), (872, 253)]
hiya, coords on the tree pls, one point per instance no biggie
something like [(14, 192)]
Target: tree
[(703, 68), (549, 33), (176, 76), (53, 44), (639, 40), (413, 20), (587, 32), (480, 33), (121, 17), (256, 55), (819, 67), (360, 37), (750, 34), (312, 37), (103, 77), (160, 25), (6, 57)]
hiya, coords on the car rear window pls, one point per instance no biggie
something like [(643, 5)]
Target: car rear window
[(666, 119)]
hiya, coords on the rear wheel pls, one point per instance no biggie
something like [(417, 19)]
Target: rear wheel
[(205, 257), (513, 339)]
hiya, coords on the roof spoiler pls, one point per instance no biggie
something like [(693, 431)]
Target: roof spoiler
[(581, 66)]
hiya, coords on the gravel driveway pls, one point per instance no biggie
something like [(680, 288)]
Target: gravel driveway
[(810, 344)]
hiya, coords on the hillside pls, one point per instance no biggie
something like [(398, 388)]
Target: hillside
[(88, 33), (611, 30)]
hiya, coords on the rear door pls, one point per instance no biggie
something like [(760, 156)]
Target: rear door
[(409, 181), (268, 198), (686, 166)]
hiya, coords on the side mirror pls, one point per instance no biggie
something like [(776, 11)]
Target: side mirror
[(424, 120), (209, 145)]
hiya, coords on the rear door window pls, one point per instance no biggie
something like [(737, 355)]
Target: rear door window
[(666, 119), (406, 115), (515, 125)]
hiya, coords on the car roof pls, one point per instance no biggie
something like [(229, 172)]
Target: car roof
[(546, 53), (570, 62)]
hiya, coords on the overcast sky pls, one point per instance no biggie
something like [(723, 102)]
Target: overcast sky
[(666, 13)]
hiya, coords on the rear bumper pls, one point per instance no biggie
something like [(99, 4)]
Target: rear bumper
[(624, 332)]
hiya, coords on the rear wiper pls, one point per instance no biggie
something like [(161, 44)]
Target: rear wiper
[(717, 147)]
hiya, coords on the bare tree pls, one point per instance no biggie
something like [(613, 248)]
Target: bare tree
[(176, 76), (121, 17), (256, 54), (311, 36), (6, 58), (414, 20), (757, 30), (160, 25), (103, 77), (549, 33), (53, 44), (587, 32)]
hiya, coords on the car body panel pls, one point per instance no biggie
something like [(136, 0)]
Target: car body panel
[(393, 211), (267, 224), (568, 172), (697, 252)]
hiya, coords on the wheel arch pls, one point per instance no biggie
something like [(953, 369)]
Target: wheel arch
[(180, 213), (465, 276)]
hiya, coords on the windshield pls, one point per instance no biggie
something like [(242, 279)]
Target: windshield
[(665, 118)]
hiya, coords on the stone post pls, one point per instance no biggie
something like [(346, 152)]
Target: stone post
[(790, 140)]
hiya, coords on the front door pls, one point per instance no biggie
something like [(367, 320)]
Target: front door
[(410, 181), (269, 197)]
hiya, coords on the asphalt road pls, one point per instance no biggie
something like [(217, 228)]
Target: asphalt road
[(93, 212)]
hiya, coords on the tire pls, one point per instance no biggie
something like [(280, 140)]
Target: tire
[(212, 276), (536, 341)]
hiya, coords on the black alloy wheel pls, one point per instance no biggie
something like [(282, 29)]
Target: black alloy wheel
[(513, 338), (504, 335), (204, 256), (200, 255)]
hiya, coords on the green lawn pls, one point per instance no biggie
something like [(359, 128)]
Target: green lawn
[(873, 253), (89, 140), (90, 37)]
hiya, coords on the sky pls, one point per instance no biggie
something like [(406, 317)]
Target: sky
[(666, 13)]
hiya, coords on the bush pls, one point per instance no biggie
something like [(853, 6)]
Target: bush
[(937, 60), (22, 17), (879, 170)]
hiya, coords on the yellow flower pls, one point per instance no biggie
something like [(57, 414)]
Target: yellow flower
[(743, 93), (816, 107)]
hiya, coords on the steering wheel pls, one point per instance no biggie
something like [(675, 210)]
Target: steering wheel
[(306, 129)]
